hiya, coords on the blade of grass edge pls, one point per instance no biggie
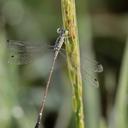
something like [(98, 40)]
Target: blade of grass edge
[(121, 97)]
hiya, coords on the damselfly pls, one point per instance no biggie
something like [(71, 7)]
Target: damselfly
[(23, 52)]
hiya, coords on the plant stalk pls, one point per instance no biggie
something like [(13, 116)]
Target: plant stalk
[(73, 58)]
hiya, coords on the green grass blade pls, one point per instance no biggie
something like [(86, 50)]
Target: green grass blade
[(122, 93)]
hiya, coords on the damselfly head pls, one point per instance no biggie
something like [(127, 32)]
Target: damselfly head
[(62, 31)]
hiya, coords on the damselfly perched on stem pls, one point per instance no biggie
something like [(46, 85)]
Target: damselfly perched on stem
[(20, 52), (58, 44)]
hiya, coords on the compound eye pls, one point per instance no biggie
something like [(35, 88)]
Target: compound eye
[(59, 30)]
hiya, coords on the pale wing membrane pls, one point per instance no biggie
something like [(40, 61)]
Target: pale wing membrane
[(20, 52), (89, 77), (22, 46), (89, 69), (97, 68), (92, 64)]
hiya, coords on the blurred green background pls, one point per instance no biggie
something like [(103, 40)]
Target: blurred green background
[(103, 36)]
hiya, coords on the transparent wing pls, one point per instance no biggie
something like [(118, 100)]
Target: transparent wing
[(91, 80), (89, 69), (92, 65), (23, 52)]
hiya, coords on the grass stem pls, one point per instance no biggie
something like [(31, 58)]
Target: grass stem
[(73, 58)]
